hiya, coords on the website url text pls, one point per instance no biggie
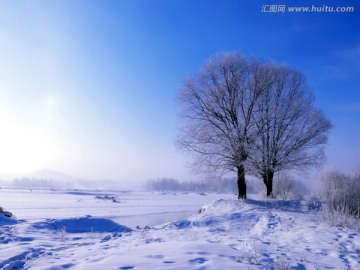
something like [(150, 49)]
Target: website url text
[(302, 9)]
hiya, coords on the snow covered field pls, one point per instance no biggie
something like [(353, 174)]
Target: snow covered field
[(59, 229)]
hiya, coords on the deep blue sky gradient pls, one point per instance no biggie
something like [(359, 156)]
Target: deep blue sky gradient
[(113, 69)]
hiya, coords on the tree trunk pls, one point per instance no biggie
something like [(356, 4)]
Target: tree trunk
[(268, 181), (241, 182)]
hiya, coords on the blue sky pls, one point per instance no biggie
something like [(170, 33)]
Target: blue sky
[(89, 87)]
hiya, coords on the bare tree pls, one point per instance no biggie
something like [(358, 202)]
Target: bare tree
[(217, 108), (292, 132)]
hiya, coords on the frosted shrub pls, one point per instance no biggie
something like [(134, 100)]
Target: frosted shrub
[(250, 254), (340, 218), (282, 264), (287, 188), (283, 186), (62, 232), (342, 193)]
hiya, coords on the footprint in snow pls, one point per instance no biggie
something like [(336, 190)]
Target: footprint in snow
[(68, 265), (168, 262), (273, 221), (198, 261)]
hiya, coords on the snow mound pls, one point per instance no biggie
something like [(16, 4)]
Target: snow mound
[(287, 205), (82, 225), (242, 214), (180, 224), (213, 214), (221, 206)]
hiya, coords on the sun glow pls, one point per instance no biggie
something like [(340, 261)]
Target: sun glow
[(24, 149)]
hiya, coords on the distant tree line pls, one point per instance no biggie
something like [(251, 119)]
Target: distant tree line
[(215, 185), (50, 183), (286, 187), (41, 183)]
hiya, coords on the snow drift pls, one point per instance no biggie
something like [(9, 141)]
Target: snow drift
[(82, 225)]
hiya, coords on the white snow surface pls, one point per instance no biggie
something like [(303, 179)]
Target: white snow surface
[(59, 229)]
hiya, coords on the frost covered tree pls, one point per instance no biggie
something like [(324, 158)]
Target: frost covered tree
[(292, 132), (217, 111), (240, 113)]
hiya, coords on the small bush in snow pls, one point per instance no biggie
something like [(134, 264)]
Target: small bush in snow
[(250, 254), (62, 232), (342, 193), (282, 264), (283, 186), (287, 188), (340, 218)]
